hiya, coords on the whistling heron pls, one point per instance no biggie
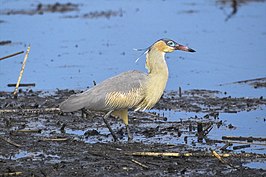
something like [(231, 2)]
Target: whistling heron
[(132, 89)]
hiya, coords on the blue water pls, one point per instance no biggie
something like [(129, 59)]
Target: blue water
[(72, 52)]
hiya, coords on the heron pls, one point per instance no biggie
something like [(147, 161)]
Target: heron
[(129, 90)]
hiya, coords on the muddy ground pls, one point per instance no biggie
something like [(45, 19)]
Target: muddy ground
[(39, 142)]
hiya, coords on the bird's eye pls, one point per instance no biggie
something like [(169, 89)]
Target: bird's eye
[(171, 43)]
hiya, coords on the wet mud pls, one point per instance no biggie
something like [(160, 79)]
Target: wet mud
[(37, 140), (41, 9), (44, 8)]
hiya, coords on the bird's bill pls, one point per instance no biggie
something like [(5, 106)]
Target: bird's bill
[(183, 48)]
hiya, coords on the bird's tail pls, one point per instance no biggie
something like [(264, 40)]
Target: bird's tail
[(73, 103)]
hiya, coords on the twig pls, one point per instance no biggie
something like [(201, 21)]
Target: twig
[(12, 174), (55, 139), (22, 85), (11, 55), (140, 164), (21, 71), (227, 144), (242, 138), (10, 142), (29, 110)]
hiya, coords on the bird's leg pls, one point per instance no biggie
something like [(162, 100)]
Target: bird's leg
[(108, 125), (84, 113), (129, 135)]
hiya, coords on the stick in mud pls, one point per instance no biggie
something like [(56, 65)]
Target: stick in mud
[(179, 92), (207, 130), (11, 55), (140, 164), (10, 142), (54, 139), (21, 71), (200, 132), (29, 131), (224, 148), (242, 138), (241, 146), (215, 154), (236, 142)]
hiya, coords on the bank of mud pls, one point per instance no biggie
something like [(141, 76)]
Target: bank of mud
[(38, 140)]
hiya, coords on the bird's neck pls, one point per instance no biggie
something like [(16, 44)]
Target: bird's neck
[(156, 64), (157, 78)]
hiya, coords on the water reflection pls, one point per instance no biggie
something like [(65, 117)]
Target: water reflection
[(235, 5)]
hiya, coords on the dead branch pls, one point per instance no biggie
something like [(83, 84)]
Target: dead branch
[(10, 142), (242, 138), (21, 71), (140, 164), (37, 110), (196, 154), (165, 154), (11, 55)]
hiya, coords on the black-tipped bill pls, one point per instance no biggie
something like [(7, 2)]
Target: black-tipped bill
[(183, 48)]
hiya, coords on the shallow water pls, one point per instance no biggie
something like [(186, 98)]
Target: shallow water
[(72, 52)]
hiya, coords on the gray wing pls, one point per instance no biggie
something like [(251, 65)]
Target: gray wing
[(125, 90)]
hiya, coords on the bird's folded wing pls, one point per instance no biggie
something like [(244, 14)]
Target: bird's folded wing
[(123, 91)]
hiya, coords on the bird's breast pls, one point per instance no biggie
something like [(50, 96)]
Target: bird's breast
[(154, 89)]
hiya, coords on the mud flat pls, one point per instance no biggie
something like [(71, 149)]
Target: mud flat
[(38, 140)]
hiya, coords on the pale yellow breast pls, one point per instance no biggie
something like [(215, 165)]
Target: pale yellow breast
[(124, 100), (153, 91)]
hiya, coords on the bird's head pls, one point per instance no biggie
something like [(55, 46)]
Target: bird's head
[(168, 45)]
